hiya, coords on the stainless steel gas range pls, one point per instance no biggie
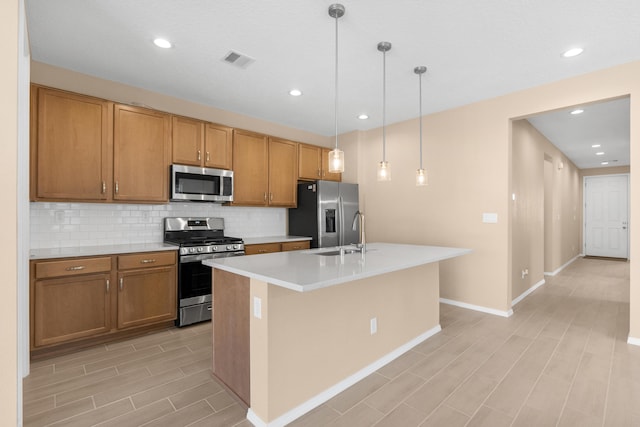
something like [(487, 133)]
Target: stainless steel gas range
[(199, 239)]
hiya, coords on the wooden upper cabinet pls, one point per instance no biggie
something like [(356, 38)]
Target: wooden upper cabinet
[(325, 167), (71, 148), (198, 143), (187, 140), (309, 163), (250, 168), (218, 146), (141, 144), (283, 172)]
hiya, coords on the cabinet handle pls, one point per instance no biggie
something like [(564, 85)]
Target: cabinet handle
[(76, 268), (117, 187), (208, 308), (147, 261), (324, 173), (108, 283), (199, 156), (319, 174), (262, 251), (270, 196), (265, 197), (208, 156), (121, 283), (104, 187)]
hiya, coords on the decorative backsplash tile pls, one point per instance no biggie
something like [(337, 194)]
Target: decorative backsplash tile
[(88, 224)]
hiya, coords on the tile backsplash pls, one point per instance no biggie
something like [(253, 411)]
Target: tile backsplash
[(56, 225)]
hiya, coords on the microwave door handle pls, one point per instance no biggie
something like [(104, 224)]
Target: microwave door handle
[(340, 222)]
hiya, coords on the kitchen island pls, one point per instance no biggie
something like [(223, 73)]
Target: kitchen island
[(293, 329)]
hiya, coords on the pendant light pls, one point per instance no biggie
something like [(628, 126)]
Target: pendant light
[(336, 156), (384, 169), (421, 174)]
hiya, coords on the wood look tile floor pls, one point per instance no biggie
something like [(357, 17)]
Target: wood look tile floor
[(560, 360)]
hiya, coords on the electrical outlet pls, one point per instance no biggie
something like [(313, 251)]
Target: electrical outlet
[(373, 324)]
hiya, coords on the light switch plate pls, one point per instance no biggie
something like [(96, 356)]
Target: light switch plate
[(490, 218), (257, 308)]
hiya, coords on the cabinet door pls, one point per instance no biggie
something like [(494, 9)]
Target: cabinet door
[(141, 154), (146, 296), (68, 308), (295, 246), (250, 169), (218, 147), (325, 168), (283, 173), (309, 164), (186, 138), (71, 157)]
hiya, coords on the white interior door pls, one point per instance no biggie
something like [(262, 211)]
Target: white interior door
[(606, 216)]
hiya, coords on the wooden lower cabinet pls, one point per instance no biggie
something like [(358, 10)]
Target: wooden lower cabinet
[(146, 296), (267, 248), (75, 301), (70, 308)]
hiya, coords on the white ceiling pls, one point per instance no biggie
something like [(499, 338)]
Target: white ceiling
[(474, 50)]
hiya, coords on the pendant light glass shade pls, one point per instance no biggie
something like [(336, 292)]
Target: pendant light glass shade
[(336, 156), (384, 168), (384, 171), (421, 175)]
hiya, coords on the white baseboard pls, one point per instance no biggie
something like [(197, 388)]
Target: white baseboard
[(633, 341), (527, 292), (562, 267), (477, 307), (324, 396)]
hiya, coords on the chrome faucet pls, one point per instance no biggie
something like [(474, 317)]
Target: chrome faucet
[(362, 245)]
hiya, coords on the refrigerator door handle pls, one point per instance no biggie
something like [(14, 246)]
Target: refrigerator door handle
[(340, 222)]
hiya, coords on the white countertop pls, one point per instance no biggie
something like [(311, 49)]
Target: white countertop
[(273, 239), (304, 271), (77, 251)]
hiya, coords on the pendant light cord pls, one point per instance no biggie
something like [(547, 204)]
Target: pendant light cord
[(420, 118), (384, 103), (336, 82)]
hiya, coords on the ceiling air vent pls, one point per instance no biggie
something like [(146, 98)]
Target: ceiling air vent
[(238, 59)]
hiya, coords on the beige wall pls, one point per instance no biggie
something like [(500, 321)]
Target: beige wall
[(306, 342), (467, 152), (533, 211), (9, 45), (61, 78)]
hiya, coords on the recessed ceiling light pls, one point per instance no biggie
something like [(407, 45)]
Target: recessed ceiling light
[(573, 52), (577, 111), (604, 163), (163, 43), (295, 92), (363, 117), (595, 146), (600, 153)]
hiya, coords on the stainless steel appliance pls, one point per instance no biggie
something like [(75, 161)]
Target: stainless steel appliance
[(326, 211), (199, 239), (201, 184)]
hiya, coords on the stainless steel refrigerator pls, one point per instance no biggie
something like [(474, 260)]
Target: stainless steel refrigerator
[(325, 212)]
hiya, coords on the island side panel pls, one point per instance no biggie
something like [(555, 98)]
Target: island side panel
[(311, 341), (231, 345)]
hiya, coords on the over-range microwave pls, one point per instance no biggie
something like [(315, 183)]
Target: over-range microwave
[(201, 184)]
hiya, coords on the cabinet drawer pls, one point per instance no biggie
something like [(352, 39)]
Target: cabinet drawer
[(147, 259), (72, 267), (264, 248), (295, 246)]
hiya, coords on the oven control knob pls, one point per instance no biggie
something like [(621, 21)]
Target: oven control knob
[(199, 249), (229, 247), (214, 248), (236, 247), (192, 250)]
